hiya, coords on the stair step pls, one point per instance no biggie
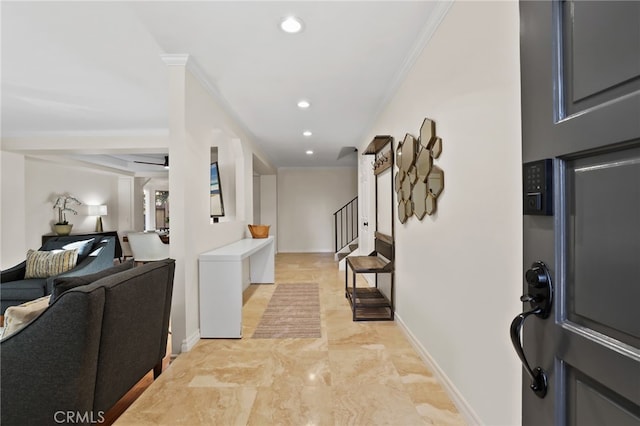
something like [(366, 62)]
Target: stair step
[(342, 255), (354, 246)]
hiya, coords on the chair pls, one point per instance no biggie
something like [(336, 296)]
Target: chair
[(97, 253), (147, 247), (126, 247)]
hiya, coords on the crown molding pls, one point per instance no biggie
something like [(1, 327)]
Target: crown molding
[(186, 60), (200, 75), (110, 133), (440, 10), (189, 62), (438, 13), (86, 143)]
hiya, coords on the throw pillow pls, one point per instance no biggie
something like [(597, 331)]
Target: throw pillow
[(62, 284), (83, 246), (17, 317), (45, 264)]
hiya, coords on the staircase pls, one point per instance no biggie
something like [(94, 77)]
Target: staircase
[(346, 229), (347, 250)]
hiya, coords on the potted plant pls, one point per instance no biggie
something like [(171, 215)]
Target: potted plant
[(62, 226)]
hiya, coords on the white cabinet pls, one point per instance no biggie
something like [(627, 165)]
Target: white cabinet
[(223, 280)]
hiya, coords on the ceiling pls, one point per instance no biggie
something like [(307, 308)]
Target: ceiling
[(96, 67)]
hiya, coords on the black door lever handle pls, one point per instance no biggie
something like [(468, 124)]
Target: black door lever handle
[(538, 376), (540, 298)]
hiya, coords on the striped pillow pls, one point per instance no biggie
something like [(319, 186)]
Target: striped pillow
[(45, 264)]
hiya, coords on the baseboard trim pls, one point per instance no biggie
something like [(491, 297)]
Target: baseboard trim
[(190, 341), (467, 412)]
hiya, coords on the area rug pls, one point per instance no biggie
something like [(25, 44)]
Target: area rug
[(292, 312)]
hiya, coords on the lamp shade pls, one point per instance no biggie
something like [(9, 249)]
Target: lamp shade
[(97, 210)]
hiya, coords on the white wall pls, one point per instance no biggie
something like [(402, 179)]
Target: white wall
[(29, 188), (307, 199), (256, 200), (13, 248), (138, 204), (45, 179), (459, 272), (269, 204)]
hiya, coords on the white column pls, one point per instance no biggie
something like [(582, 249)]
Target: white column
[(177, 184), (126, 204)]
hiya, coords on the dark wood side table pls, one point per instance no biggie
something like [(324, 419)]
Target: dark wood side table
[(118, 253)]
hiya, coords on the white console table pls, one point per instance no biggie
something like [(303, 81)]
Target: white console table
[(223, 279)]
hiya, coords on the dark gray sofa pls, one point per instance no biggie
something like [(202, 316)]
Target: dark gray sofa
[(88, 348), (15, 290)]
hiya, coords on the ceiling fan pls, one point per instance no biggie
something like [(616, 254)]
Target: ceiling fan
[(165, 164)]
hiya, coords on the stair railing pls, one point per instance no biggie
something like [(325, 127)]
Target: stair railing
[(346, 224)]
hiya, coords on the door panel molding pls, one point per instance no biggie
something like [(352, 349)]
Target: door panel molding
[(605, 363), (590, 399), (602, 230), (594, 67)]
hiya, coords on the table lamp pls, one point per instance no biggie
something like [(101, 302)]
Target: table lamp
[(98, 211)]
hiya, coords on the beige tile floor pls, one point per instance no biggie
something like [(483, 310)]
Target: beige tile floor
[(357, 373)]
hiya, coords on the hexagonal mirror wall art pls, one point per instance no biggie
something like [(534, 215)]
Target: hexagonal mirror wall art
[(408, 208), (402, 212), (412, 174), (419, 198), (427, 132), (418, 181), (406, 188), (399, 157), (408, 154), (424, 164), (432, 204), (398, 180), (436, 148), (435, 181)]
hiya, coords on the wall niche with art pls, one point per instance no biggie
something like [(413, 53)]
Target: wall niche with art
[(216, 199)]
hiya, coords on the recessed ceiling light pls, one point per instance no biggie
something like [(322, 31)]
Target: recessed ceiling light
[(307, 133), (291, 25), (309, 152), (304, 104)]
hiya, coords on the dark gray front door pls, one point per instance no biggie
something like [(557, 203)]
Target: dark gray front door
[(581, 112)]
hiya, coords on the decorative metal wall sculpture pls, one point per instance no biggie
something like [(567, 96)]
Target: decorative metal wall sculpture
[(418, 181)]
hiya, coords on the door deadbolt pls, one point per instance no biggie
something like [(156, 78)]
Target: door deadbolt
[(540, 294)]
